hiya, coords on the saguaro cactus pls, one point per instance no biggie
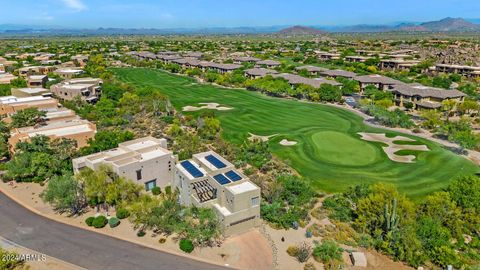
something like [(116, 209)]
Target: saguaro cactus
[(391, 216)]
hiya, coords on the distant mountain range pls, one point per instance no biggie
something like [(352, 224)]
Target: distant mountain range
[(444, 25)]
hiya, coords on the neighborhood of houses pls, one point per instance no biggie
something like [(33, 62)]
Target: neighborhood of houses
[(422, 97), (206, 180)]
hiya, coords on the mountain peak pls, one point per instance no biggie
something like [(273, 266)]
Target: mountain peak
[(299, 30)]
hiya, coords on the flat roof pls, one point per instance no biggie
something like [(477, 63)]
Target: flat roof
[(242, 187), (32, 90)]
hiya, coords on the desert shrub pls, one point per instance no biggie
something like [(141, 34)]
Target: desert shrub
[(162, 240), (168, 190), (89, 221), (113, 222), (304, 252), (329, 253), (122, 213), (309, 266), (141, 233), (186, 245), (99, 222), (156, 190), (292, 251)]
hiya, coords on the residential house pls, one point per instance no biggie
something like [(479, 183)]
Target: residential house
[(295, 80), (335, 73), (379, 81), (254, 73), (397, 64), (357, 58), (5, 78), (88, 89), (35, 70), (268, 63), (79, 130), (68, 73), (37, 81), (208, 180), (10, 104), (146, 161), (469, 71), (30, 92), (326, 56), (423, 97), (312, 70), (245, 59)]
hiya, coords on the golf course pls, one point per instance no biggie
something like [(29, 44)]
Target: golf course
[(329, 151)]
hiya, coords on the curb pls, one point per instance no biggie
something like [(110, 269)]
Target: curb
[(35, 211)]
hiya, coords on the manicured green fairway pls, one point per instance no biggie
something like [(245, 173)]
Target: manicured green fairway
[(329, 153)]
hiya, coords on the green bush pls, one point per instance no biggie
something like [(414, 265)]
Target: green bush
[(89, 220), (113, 222), (122, 213), (141, 233), (168, 190), (99, 222), (186, 245), (156, 190)]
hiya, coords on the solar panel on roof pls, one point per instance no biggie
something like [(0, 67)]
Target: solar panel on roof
[(232, 175), (215, 161), (221, 179), (191, 169)]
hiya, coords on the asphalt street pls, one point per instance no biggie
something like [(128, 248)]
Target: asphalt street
[(83, 248)]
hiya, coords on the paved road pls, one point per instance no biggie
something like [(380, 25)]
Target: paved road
[(80, 247)]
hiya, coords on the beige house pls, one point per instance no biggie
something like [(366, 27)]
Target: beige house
[(68, 73), (326, 56), (208, 180), (5, 78), (469, 71), (397, 64), (37, 81), (88, 89), (35, 70), (10, 104), (77, 129), (146, 161), (357, 58), (30, 92)]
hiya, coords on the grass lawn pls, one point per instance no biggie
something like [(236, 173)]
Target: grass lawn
[(329, 152)]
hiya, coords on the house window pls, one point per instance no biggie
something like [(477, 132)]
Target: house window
[(150, 184), (255, 201), (139, 174)]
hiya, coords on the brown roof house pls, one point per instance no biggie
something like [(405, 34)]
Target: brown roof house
[(424, 97)]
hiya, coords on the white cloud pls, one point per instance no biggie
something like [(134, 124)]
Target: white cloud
[(76, 5)]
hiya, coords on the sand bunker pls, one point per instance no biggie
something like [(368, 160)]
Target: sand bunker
[(209, 106), (286, 142), (392, 148), (254, 137)]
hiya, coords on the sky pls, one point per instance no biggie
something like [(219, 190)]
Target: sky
[(228, 13)]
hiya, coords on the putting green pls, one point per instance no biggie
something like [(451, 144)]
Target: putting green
[(342, 149), (329, 152)]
